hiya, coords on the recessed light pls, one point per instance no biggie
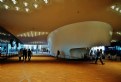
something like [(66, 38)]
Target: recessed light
[(117, 9), (17, 8), (113, 7), (36, 5), (120, 11), (46, 1), (25, 3), (27, 9), (14, 1), (1, 0), (6, 6)]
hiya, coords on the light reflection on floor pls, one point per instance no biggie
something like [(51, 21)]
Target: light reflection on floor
[(49, 69)]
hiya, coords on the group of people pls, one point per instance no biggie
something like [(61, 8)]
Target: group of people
[(25, 53), (99, 56)]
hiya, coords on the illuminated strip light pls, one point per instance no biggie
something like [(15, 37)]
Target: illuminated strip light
[(28, 34), (31, 34), (46, 32), (113, 40), (24, 34), (36, 42), (1, 33), (6, 41), (43, 33), (39, 33), (35, 33)]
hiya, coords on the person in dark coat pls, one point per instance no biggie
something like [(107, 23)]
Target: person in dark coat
[(29, 55), (24, 54), (58, 53)]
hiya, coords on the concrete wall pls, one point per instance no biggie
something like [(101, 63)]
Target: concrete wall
[(79, 35)]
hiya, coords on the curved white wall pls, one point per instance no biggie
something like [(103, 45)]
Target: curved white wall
[(79, 35)]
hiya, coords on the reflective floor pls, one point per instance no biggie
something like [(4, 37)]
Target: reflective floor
[(49, 69)]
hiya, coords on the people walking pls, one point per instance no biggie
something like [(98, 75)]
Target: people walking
[(99, 56)]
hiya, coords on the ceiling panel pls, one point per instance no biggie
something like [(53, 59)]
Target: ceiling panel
[(57, 13)]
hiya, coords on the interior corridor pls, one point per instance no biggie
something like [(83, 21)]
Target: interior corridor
[(49, 69)]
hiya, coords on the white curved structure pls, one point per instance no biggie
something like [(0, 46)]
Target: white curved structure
[(79, 35)]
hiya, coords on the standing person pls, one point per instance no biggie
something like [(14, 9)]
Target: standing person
[(99, 56), (90, 54), (20, 54), (58, 53), (29, 55), (24, 54)]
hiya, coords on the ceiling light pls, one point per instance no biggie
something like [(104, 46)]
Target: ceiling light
[(27, 9), (117, 9), (43, 33), (14, 1), (28, 34), (31, 34), (120, 11), (113, 7), (46, 1), (24, 34), (21, 35), (46, 32), (36, 42), (25, 3), (113, 40), (39, 33), (119, 33), (35, 33), (6, 6), (1, 0), (10, 4), (17, 8), (36, 5)]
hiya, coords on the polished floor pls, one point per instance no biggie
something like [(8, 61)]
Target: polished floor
[(49, 69)]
